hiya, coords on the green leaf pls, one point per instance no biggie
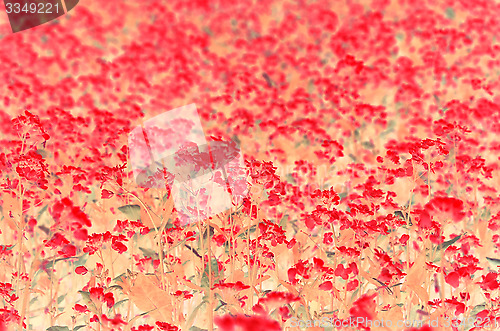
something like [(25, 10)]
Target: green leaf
[(494, 261), (448, 243), (7, 248), (220, 305), (477, 309), (368, 145), (207, 31), (32, 301), (290, 179), (404, 216), (165, 197), (473, 314), (133, 212), (85, 295), (145, 313), (58, 328), (82, 260), (449, 189), (42, 210), (330, 255), (390, 128), (355, 293), (78, 327), (342, 195), (119, 277), (149, 252), (60, 299), (284, 222), (215, 272), (450, 13), (194, 313), (253, 228), (115, 287), (88, 301), (302, 312), (119, 303), (485, 214)]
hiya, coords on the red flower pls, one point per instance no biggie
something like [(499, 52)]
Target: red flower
[(453, 278), (423, 328), (404, 239), (5, 292), (364, 307), (115, 321), (246, 323), (166, 327), (119, 247), (56, 240), (490, 282), (446, 205), (352, 285), (425, 220), (68, 251), (106, 194), (96, 293), (81, 308), (81, 234), (238, 286), (109, 299), (259, 309), (9, 315), (328, 238), (292, 273), (284, 313), (326, 286), (459, 306), (143, 327), (342, 272), (278, 297), (220, 239), (81, 270)]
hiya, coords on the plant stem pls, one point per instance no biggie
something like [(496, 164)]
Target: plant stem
[(21, 267), (210, 281)]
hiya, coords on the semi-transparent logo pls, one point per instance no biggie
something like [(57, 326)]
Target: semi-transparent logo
[(26, 14), (205, 176)]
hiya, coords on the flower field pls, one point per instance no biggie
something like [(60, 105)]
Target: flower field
[(368, 137)]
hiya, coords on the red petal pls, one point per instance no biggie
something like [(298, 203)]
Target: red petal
[(453, 278), (326, 286)]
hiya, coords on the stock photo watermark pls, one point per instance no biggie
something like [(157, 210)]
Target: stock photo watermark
[(205, 176), (362, 322), (27, 14)]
